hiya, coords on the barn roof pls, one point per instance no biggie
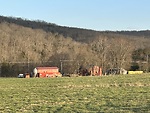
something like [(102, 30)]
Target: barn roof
[(46, 67)]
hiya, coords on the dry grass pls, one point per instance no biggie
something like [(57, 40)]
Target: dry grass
[(127, 93)]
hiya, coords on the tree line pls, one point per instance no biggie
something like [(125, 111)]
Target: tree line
[(22, 46)]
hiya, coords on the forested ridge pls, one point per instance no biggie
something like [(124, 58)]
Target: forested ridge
[(26, 41)]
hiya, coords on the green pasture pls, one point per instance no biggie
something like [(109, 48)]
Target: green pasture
[(118, 94)]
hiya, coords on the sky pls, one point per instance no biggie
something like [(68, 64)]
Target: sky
[(100, 15)]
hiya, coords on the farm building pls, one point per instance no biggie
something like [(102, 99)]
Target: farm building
[(116, 71), (92, 70), (43, 72)]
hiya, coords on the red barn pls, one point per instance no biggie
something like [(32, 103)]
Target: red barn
[(43, 72)]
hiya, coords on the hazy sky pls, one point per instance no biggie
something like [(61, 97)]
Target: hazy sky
[(90, 14)]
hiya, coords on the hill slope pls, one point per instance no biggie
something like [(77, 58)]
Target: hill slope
[(77, 34), (41, 43)]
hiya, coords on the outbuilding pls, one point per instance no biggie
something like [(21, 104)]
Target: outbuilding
[(43, 72)]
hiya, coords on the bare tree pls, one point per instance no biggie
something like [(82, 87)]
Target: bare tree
[(121, 52), (101, 48)]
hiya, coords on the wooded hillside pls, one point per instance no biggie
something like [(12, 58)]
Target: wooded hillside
[(42, 43)]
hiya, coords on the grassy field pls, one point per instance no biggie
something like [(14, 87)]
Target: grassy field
[(124, 93)]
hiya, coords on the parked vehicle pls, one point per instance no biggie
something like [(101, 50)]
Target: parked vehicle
[(20, 75), (25, 75)]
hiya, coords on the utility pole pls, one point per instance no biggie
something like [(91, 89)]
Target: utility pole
[(0, 68), (28, 53), (1, 63), (147, 57), (61, 64)]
